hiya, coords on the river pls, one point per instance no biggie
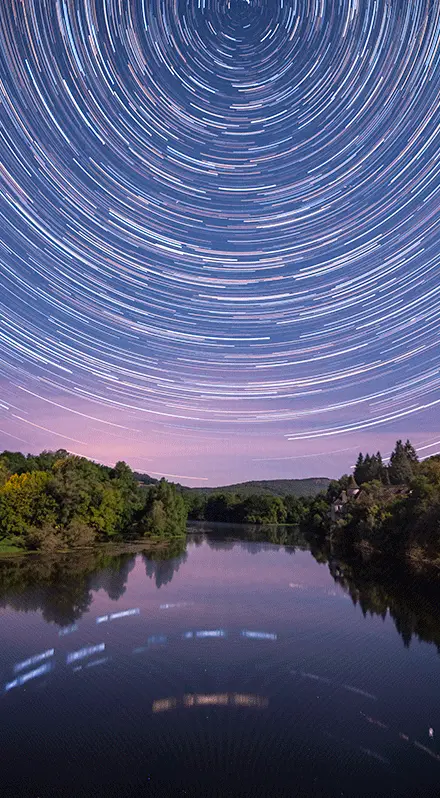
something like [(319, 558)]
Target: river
[(233, 668)]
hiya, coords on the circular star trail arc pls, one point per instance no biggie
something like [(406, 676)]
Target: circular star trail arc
[(222, 212)]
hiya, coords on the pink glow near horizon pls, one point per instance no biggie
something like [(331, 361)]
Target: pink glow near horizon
[(194, 457)]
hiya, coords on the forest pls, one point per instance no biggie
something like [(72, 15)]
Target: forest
[(59, 501), (390, 510)]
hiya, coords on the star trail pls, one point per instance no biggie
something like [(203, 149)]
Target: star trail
[(219, 231)]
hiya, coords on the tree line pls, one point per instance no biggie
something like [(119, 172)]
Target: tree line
[(401, 469), (392, 509), (233, 508), (56, 500), (395, 513)]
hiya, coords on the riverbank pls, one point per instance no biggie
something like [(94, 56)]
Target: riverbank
[(296, 536), (153, 544)]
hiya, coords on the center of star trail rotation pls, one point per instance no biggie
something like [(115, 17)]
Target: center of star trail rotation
[(220, 215)]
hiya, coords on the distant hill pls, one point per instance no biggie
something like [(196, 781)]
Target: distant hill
[(144, 479), (267, 487), (272, 487)]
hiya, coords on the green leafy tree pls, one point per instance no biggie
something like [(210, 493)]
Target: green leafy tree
[(410, 452), (24, 502), (401, 469), (164, 513), (316, 518), (86, 496), (195, 505), (345, 481), (333, 490), (222, 507), (359, 469), (106, 510), (4, 473), (64, 501), (430, 469), (46, 460), (16, 462), (133, 499), (369, 468), (295, 510), (370, 510), (264, 510)]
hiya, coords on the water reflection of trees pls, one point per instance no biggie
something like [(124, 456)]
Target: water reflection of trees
[(411, 599), (113, 579), (62, 586), (223, 537), (163, 570)]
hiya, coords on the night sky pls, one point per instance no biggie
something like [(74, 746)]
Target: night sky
[(220, 232)]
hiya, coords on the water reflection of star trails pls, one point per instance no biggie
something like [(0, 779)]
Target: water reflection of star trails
[(68, 630), (27, 677), (403, 736), (83, 653), (259, 635), (113, 616), (315, 677), (203, 634), (20, 666), (192, 700)]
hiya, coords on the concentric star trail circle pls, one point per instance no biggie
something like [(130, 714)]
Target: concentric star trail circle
[(221, 212)]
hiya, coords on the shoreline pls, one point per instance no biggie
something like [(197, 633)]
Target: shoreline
[(118, 547), (363, 550)]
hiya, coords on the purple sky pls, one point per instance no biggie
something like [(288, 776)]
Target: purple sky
[(219, 249), (202, 458)]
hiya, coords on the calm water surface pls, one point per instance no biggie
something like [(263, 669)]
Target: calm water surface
[(233, 669)]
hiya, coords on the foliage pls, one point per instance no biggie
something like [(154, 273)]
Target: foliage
[(295, 510), (195, 505), (223, 507), (4, 473), (55, 501), (370, 468), (236, 509), (164, 513), (397, 516), (316, 517), (400, 471), (264, 510), (402, 464), (59, 501), (25, 501), (144, 479)]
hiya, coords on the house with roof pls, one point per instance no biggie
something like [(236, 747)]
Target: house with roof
[(338, 506), (388, 494)]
